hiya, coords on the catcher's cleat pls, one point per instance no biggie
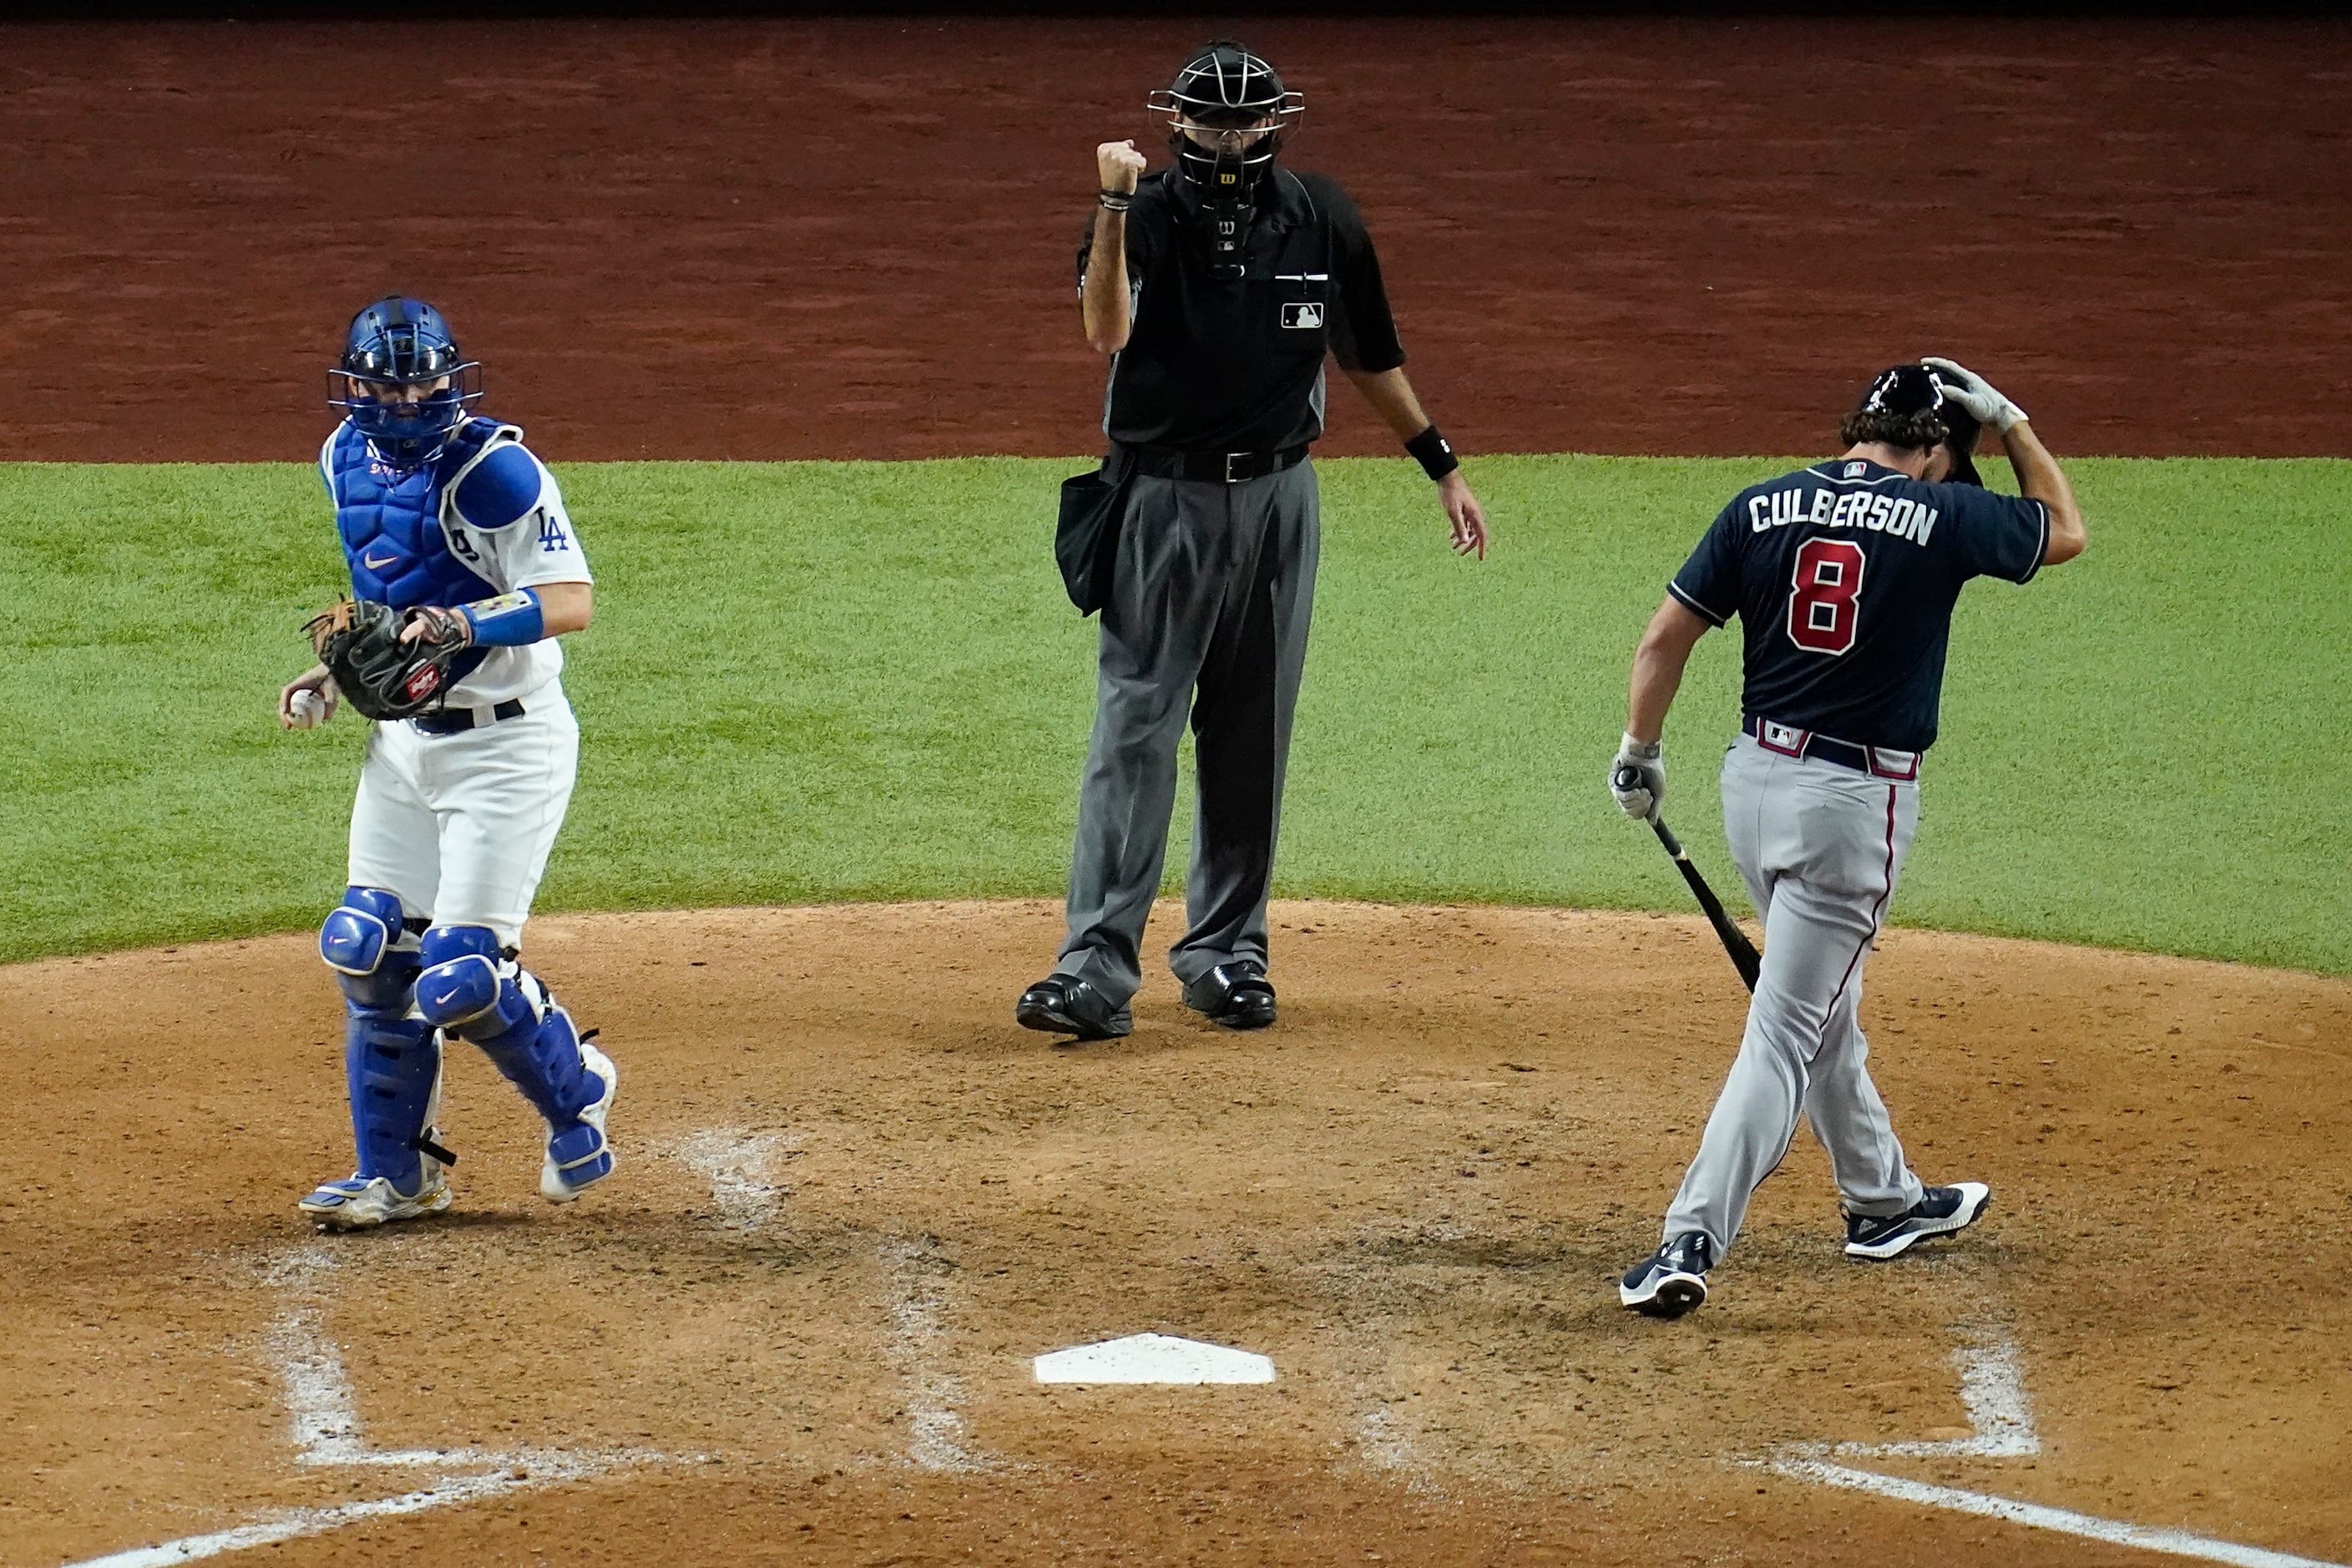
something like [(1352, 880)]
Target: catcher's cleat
[(363, 1203), (1236, 994), (1065, 1004), (1939, 1212), (578, 1157)]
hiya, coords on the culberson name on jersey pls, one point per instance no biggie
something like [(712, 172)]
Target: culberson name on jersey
[(1899, 516)]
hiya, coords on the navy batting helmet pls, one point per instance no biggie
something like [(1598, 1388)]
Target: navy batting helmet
[(1905, 392), (1903, 407), (402, 381)]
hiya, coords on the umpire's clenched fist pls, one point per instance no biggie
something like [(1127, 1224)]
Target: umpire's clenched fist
[(1119, 164)]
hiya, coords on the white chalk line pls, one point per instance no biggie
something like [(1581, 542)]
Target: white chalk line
[(741, 1166), (2000, 1416), (323, 1421), (910, 1270), (2177, 1542), (1383, 1444), (293, 1523), (1992, 1391)]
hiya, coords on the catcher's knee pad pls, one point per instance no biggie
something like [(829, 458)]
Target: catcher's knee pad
[(471, 989), (469, 986), (393, 1066), (366, 943)]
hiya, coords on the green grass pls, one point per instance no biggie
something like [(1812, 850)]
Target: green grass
[(859, 680)]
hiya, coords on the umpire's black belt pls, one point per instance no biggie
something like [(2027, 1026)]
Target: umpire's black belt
[(1212, 467), (457, 720), (1788, 740)]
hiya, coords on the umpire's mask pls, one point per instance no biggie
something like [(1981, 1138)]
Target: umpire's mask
[(1227, 114)]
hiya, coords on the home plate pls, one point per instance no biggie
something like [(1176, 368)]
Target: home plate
[(1153, 1358)]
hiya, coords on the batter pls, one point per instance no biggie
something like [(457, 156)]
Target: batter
[(451, 521), (1843, 576)]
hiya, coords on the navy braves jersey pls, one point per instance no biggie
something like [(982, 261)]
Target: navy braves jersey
[(1843, 576)]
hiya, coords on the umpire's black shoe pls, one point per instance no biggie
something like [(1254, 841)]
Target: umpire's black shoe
[(1066, 1005), (1236, 994), (1671, 1280)]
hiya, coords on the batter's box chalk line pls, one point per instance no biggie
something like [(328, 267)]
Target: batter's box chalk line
[(914, 1290), (2001, 1417), (741, 1167), (323, 1421)]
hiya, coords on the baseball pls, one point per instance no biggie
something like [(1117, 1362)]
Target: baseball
[(308, 709)]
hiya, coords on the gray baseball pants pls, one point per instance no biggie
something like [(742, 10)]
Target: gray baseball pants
[(1821, 848), (1207, 620)]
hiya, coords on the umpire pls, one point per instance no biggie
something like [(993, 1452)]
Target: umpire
[(1216, 287)]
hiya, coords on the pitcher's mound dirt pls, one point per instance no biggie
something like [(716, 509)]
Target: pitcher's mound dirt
[(855, 1200)]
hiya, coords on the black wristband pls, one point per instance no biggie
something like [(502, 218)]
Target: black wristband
[(1429, 450), (1114, 201)]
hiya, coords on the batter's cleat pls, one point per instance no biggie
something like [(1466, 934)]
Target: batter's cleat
[(1671, 1280), (1066, 1005), (578, 1157), (1236, 994), (1939, 1212), (363, 1203)]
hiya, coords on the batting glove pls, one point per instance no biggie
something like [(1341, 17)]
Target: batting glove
[(1638, 778), (1975, 393)]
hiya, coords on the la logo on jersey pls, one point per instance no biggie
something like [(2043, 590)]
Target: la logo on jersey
[(1308, 316)]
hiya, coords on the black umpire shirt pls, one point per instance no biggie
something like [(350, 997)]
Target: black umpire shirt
[(1218, 364)]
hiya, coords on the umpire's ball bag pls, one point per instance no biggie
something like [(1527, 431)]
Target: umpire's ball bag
[(1086, 537)]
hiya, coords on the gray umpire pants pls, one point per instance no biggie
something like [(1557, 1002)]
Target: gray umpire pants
[(1821, 848), (1207, 620)]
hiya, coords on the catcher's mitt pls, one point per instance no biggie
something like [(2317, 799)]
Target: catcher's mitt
[(358, 642)]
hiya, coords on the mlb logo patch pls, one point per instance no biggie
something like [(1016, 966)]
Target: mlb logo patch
[(1856, 470), (1308, 316)]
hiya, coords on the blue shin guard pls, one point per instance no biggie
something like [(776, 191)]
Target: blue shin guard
[(471, 989), (393, 1068), (392, 1065)]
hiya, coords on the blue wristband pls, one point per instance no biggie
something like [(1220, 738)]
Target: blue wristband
[(510, 620)]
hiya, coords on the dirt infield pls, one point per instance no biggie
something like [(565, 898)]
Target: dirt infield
[(798, 1325), (855, 238)]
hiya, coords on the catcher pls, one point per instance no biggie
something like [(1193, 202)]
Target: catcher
[(464, 570)]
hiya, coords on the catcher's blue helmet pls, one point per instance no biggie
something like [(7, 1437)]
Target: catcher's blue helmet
[(402, 380)]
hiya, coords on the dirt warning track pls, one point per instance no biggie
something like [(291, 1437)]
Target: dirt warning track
[(799, 1324), (855, 238)]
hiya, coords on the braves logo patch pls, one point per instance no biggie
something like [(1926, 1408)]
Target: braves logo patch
[(1307, 316)]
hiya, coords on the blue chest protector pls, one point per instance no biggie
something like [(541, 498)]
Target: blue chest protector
[(390, 519)]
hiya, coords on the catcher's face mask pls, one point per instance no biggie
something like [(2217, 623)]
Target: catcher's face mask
[(402, 381)]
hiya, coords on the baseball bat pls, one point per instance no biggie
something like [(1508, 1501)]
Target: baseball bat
[(1744, 956)]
